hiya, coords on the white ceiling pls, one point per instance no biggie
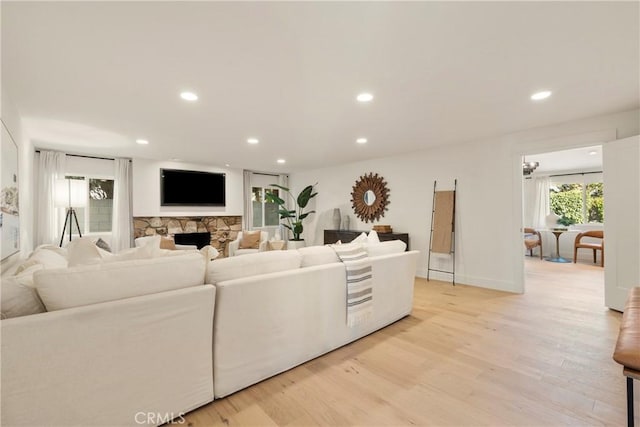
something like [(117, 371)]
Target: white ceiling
[(92, 77), (584, 159)]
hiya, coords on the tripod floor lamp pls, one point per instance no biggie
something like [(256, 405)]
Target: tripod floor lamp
[(71, 194)]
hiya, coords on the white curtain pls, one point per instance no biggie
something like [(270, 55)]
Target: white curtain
[(51, 165), (541, 206), (247, 219), (122, 225)]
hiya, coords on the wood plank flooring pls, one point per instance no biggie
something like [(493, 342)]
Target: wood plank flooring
[(465, 357)]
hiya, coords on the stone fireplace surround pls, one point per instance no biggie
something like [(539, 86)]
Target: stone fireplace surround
[(223, 229)]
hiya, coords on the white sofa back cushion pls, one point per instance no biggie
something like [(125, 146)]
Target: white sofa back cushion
[(317, 255), (252, 265), (90, 284), (385, 248)]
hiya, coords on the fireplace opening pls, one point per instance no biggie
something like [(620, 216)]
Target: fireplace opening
[(199, 239)]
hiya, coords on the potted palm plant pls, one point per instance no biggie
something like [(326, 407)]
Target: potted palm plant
[(293, 217)]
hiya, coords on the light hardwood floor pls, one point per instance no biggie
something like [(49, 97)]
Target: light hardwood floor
[(466, 356)]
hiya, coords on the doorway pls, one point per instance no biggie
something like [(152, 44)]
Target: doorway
[(563, 196)]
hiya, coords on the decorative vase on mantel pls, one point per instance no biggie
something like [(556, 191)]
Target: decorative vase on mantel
[(345, 222), (336, 219)]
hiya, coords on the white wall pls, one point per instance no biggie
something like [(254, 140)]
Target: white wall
[(146, 190), (489, 201)]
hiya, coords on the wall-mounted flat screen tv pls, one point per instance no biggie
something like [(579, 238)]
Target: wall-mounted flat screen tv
[(191, 188)]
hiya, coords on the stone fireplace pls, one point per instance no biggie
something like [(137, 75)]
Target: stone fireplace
[(223, 229)]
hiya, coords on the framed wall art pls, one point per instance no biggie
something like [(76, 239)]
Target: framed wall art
[(9, 209)]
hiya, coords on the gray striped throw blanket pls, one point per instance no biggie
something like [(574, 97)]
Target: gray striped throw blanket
[(359, 283)]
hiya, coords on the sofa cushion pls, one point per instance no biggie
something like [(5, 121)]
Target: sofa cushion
[(91, 284), (18, 296), (317, 255), (252, 265), (385, 248)]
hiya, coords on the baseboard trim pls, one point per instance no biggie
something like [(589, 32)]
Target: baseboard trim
[(480, 282)]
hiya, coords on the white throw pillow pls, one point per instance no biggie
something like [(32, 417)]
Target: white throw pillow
[(18, 296), (252, 265), (90, 284), (83, 251), (362, 238), (385, 248), (148, 240), (209, 252), (50, 256), (317, 255), (373, 237)]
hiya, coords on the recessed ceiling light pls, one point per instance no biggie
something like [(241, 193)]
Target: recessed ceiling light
[(252, 140), (227, 164), (175, 160), (541, 95), (142, 141), (593, 153), (189, 96), (361, 140), (281, 161), (364, 97)]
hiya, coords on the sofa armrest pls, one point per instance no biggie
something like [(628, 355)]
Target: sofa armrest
[(104, 363)]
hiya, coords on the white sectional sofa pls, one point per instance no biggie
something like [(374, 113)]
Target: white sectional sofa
[(140, 342), (121, 341), (268, 323)]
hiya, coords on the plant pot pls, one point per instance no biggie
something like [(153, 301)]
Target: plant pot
[(295, 244)]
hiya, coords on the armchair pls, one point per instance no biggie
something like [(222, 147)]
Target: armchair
[(234, 246), (532, 239), (596, 246)]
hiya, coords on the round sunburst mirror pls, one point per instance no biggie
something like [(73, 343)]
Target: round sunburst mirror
[(370, 197)]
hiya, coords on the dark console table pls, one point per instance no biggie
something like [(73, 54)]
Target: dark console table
[(345, 236)]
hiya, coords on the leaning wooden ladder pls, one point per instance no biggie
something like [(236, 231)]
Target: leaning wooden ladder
[(442, 238)]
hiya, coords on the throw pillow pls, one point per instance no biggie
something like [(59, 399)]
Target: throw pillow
[(166, 243), (103, 245), (362, 238), (83, 251), (18, 295), (373, 237), (250, 240), (317, 255), (148, 240), (50, 256), (209, 253)]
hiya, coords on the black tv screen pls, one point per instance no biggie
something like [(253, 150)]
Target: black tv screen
[(191, 188)]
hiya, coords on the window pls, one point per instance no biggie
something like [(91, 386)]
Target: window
[(578, 202), (97, 215), (265, 214)]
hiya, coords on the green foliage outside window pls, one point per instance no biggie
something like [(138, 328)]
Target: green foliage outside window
[(567, 202)]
